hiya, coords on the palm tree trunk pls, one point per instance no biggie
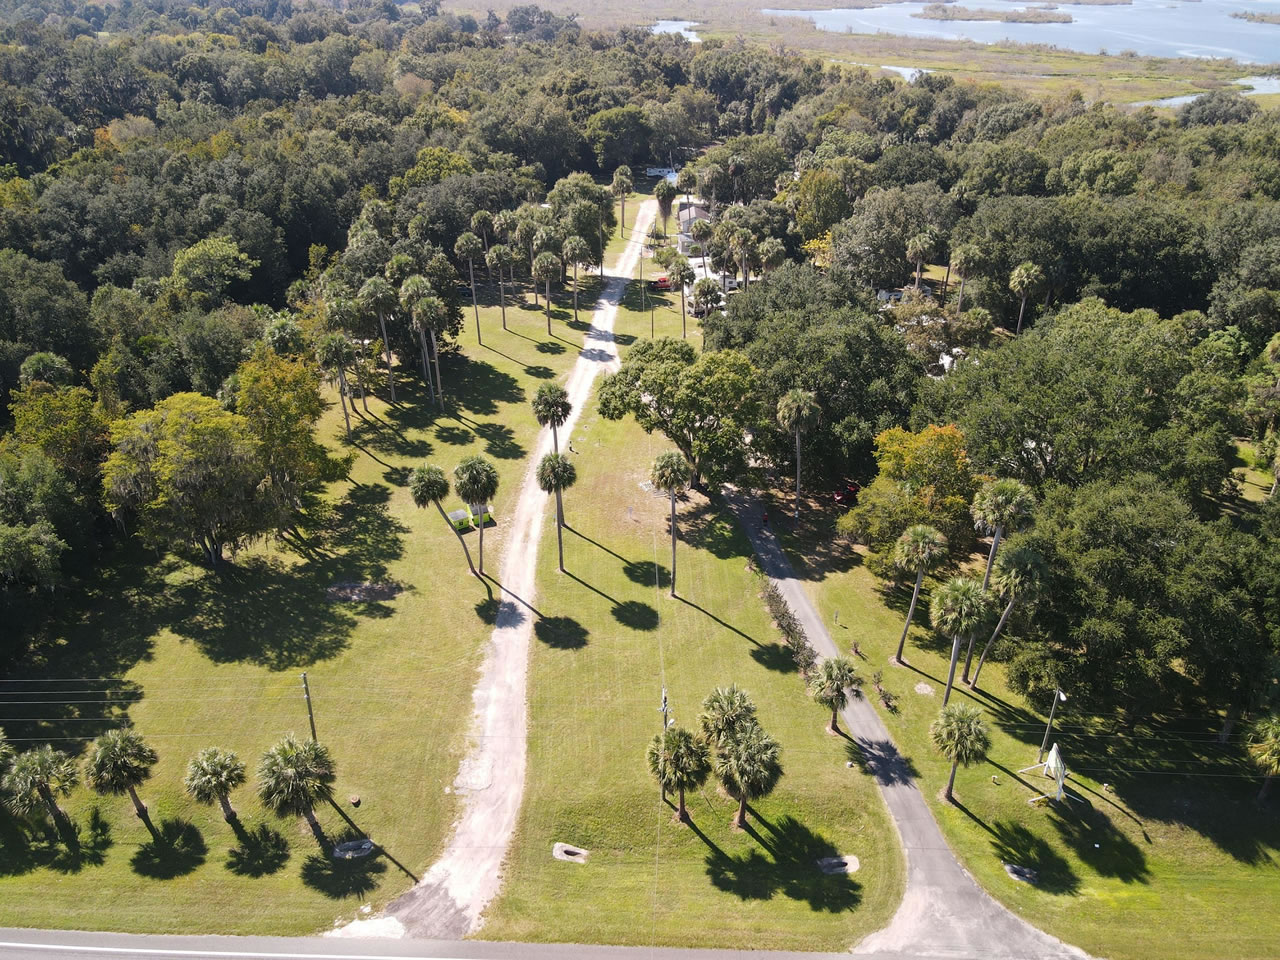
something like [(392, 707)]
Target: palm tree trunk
[(457, 533), (548, 306), (973, 684), (575, 291), (1229, 722), (386, 346), (502, 297), (364, 399), (951, 673), (342, 398), (435, 353), (316, 829), (740, 820), (1021, 309), (1266, 788), (55, 812), (960, 298), (475, 304), (684, 321), (228, 812), (673, 543), (681, 813), (968, 658), (951, 782), (991, 557), (482, 539), (797, 473), (560, 528), (911, 611), (834, 728), (919, 267), (426, 367), (946, 283), (622, 222)]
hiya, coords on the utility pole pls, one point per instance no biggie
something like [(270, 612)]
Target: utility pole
[(306, 694), (1044, 744)]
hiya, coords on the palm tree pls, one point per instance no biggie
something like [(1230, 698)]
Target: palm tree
[(482, 223), (671, 473), (556, 474), (413, 291), (211, 776), (335, 354), (960, 735), (497, 258), (551, 408), (957, 608), (467, 247), (1019, 573), (119, 763), (706, 294), (343, 315), (1264, 748), (428, 484), (547, 267), (748, 767), (918, 549), (831, 684), (476, 480), (682, 274), (621, 188), (743, 244), (964, 260), (38, 777), (525, 232), (725, 711), (576, 251), (798, 411), (918, 248), (701, 233), (772, 253), (6, 753), (997, 506), (293, 777), (679, 761), (1025, 278), (665, 193), (379, 297)]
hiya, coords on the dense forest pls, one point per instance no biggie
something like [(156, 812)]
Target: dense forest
[(208, 211)]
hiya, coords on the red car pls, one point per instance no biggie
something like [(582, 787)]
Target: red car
[(660, 283)]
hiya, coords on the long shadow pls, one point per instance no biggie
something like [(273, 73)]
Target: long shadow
[(177, 849), (582, 536), (508, 613), (499, 441), (728, 626), (65, 848), (774, 656), (791, 869), (1097, 842), (261, 852), (342, 879), (354, 832), (1012, 843)]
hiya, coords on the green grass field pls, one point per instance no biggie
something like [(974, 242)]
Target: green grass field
[(195, 659), (608, 640), (1188, 860)]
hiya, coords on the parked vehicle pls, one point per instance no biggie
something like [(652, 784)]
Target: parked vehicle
[(661, 283)]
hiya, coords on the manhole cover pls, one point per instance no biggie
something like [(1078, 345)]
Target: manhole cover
[(1025, 874), (353, 850), (839, 864), (569, 854)]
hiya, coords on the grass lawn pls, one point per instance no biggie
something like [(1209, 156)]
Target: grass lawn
[(1177, 863), (196, 659), (607, 641)]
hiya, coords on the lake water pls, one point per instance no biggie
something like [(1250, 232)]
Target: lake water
[(1159, 28), (682, 27)]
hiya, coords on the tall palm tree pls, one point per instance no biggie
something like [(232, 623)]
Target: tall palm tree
[(1025, 278), (576, 251), (556, 474), (621, 188), (725, 711), (467, 247), (335, 354), (918, 248), (119, 763), (476, 480), (482, 224), (428, 484), (551, 408), (1000, 505), (686, 181), (547, 267), (772, 253), (497, 258), (671, 473), (1264, 748), (525, 232), (413, 291), (798, 411), (919, 548), (379, 297), (706, 294), (1019, 573), (343, 315), (211, 776), (701, 233), (430, 314), (37, 778), (830, 686), (682, 275), (748, 767), (743, 244), (964, 260), (293, 777), (957, 608), (960, 735), (665, 193), (679, 761)]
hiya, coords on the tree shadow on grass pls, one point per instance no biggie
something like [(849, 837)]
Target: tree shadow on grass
[(550, 346), (480, 386), (370, 432), (1097, 842), (791, 869), (499, 441), (636, 615), (455, 436), (342, 879), (708, 527), (1014, 844), (560, 633), (774, 656), (261, 852), (539, 372), (40, 844), (177, 849), (647, 573)]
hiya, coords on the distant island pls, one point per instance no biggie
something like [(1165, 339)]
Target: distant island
[(938, 11), (1258, 17)]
